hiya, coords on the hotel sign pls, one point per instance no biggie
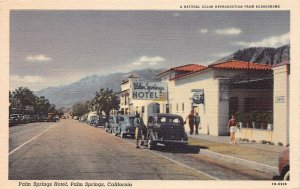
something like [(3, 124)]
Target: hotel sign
[(143, 90), (198, 96)]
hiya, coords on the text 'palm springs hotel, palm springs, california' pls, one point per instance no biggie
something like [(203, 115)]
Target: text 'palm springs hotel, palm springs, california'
[(257, 94)]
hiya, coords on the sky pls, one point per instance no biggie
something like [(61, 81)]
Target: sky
[(52, 48)]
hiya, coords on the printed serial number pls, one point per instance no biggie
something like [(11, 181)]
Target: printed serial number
[(279, 183)]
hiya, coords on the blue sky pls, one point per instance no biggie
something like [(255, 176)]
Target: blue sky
[(50, 48)]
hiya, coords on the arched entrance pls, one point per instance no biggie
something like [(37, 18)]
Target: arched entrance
[(153, 108)]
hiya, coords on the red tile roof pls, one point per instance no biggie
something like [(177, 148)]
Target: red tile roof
[(240, 65), (190, 68), (186, 68)]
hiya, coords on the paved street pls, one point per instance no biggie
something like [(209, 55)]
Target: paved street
[(71, 150)]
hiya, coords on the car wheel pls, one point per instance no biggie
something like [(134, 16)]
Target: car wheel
[(287, 175), (114, 133), (122, 135), (150, 144)]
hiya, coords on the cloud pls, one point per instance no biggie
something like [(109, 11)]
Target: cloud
[(205, 30), (38, 58), (176, 14), (137, 63), (273, 41), (228, 31), (30, 81), (148, 61), (27, 79)]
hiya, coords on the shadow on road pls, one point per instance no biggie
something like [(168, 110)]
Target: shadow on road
[(190, 149)]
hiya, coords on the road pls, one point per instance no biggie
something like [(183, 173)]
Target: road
[(69, 150)]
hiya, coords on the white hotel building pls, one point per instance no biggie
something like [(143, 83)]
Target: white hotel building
[(219, 90)]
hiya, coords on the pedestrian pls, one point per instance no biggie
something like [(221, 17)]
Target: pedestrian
[(139, 124), (197, 123), (191, 118), (231, 128)]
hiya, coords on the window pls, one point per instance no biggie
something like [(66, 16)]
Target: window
[(250, 104), (233, 105), (121, 119), (182, 107), (143, 109), (125, 97), (150, 119), (169, 119), (177, 107)]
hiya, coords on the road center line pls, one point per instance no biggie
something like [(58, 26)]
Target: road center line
[(181, 164), (30, 140)]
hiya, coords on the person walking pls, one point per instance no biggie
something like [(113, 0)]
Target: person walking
[(138, 123), (197, 123), (191, 118), (231, 128)]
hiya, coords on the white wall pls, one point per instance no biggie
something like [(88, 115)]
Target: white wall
[(180, 92), (281, 108)]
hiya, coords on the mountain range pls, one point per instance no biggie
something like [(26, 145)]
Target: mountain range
[(84, 89), (263, 55)]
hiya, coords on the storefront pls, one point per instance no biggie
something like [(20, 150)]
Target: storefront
[(271, 125), (248, 90)]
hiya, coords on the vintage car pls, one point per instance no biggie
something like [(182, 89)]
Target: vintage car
[(51, 117), (166, 129), (125, 126), (101, 121), (283, 165)]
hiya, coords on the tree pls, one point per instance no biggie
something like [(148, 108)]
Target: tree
[(25, 96), (41, 105), (105, 101), (52, 109), (80, 109), (24, 100), (60, 112)]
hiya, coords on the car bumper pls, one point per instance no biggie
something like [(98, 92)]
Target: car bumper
[(170, 141)]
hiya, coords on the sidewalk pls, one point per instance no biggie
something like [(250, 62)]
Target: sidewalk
[(262, 157)]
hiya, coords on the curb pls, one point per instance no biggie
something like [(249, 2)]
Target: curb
[(246, 163)]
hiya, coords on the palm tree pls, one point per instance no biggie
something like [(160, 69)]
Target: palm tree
[(105, 101)]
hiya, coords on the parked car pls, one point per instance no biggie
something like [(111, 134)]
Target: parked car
[(101, 121), (93, 120), (51, 117), (283, 165), (125, 126), (112, 123), (166, 129), (26, 119), (75, 117), (14, 119), (82, 119)]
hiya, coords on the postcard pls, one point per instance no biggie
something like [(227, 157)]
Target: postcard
[(149, 94)]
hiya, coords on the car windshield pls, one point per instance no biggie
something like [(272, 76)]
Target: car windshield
[(131, 120), (169, 119)]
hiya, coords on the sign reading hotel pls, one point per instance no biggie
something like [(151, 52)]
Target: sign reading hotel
[(143, 90)]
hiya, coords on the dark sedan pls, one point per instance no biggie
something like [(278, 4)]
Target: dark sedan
[(166, 129)]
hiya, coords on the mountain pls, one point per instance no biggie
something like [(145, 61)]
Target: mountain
[(262, 55), (84, 89)]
